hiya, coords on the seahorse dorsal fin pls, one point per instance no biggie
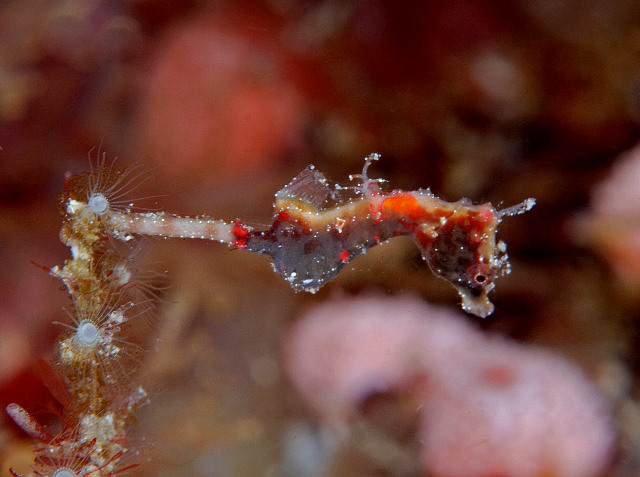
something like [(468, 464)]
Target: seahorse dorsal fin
[(310, 186)]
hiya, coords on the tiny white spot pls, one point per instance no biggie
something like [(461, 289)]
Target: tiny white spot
[(86, 333), (98, 204)]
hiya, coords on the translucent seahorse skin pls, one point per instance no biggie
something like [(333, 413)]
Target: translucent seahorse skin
[(310, 246)]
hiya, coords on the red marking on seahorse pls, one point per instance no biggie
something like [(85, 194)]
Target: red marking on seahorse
[(486, 214), (241, 233), (376, 211), (240, 243), (282, 216), (240, 230), (479, 222), (403, 205), (344, 256)]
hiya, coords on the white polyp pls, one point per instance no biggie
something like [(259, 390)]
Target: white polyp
[(122, 273), (98, 204), (116, 317), (64, 472), (73, 206), (86, 333)]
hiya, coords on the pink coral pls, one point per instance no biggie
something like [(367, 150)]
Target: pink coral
[(488, 406)]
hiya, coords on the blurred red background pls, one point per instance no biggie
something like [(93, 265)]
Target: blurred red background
[(224, 102)]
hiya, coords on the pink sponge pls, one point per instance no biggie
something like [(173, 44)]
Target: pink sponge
[(219, 102), (488, 406), (611, 225)]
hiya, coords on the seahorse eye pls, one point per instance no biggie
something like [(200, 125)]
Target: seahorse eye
[(479, 275), (480, 278)]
